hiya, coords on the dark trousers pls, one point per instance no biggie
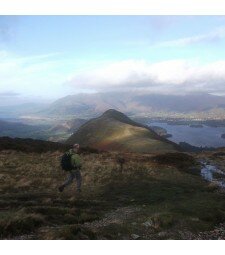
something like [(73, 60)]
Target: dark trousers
[(74, 174)]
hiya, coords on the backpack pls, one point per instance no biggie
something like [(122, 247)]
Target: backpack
[(66, 162)]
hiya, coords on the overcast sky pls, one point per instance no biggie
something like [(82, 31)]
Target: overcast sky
[(47, 57)]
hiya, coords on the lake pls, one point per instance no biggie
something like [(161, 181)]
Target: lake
[(204, 136)]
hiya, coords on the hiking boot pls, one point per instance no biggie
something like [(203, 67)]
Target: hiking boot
[(61, 188)]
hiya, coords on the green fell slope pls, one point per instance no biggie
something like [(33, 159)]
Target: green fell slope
[(115, 131)]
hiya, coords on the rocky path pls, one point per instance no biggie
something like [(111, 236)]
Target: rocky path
[(218, 233), (117, 216)]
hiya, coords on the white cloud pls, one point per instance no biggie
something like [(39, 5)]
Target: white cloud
[(44, 75), (31, 75), (174, 76)]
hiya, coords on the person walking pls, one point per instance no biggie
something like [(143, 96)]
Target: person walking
[(71, 162)]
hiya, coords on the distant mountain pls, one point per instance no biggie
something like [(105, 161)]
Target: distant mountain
[(55, 133), (87, 105), (181, 103), (92, 105), (17, 129), (113, 130)]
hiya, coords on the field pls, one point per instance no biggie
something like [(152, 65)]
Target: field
[(149, 197)]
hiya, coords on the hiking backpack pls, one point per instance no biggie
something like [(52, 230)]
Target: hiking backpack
[(66, 162)]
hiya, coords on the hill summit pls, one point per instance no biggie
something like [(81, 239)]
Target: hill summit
[(114, 131), (119, 116)]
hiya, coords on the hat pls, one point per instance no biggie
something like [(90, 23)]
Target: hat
[(76, 146)]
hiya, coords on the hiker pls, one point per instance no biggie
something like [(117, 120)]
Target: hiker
[(71, 162)]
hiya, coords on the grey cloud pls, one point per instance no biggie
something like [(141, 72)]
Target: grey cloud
[(213, 85), (9, 94)]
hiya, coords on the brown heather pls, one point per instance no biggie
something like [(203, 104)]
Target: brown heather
[(150, 197)]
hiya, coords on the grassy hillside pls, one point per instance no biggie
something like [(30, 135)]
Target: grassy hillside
[(115, 131), (160, 197), (30, 145)]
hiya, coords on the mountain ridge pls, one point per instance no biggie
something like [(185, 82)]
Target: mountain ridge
[(133, 103), (114, 131)]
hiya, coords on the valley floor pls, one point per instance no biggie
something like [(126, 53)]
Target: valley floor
[(160, 197)]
